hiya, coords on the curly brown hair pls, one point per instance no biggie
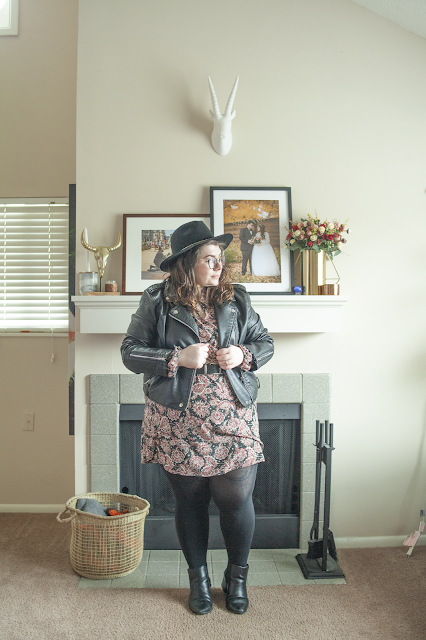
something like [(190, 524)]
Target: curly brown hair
[(181, 287)]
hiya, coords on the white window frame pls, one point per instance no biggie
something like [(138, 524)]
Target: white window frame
[(12, 30), (27, 326)]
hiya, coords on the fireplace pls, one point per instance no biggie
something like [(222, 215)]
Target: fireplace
[(301, 397)]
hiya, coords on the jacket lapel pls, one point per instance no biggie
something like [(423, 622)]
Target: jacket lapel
[(182, 315)]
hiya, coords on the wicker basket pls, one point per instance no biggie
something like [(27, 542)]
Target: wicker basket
[(105, 547)]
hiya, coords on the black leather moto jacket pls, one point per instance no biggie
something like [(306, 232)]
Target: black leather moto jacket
[(158, 326)]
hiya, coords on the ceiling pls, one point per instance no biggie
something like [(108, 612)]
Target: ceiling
[(410, 14)]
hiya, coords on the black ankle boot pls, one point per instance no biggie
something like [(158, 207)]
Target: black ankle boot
[(234, 585), (200, 600)]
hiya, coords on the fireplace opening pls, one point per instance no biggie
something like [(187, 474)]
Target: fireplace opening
[(276, 496)]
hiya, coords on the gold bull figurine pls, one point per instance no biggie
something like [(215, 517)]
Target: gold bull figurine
[(101, 254)]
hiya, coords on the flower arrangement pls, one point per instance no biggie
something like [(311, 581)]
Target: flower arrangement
[(318, 236)]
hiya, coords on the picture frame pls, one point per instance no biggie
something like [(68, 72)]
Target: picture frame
[(145, 237), (267, 268)]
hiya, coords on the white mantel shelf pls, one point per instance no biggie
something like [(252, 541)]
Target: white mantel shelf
[(279, 314)]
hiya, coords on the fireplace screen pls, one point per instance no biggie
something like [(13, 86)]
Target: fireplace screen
[(277, 490)]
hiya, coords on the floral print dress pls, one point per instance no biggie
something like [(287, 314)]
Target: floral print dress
[(215, 434)]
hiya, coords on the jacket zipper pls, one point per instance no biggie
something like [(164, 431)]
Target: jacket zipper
[(264, 356), (190, 391), (247, 389), (193, 374), (137, 355)]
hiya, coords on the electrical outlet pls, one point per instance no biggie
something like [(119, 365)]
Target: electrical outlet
[(28, 421)]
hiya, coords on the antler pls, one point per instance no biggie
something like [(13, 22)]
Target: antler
[(214, 100), (84, 243), (231, 99), (118, 244)]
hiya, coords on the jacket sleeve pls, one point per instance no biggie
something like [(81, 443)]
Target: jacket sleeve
[(139, 349), (256, 339)]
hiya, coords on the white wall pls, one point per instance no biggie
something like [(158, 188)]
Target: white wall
[(332, 103)]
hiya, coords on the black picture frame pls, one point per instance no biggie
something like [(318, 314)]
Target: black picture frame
[(137, 274), (230, 210)]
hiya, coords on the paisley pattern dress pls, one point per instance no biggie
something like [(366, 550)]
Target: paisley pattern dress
[(215, 434)]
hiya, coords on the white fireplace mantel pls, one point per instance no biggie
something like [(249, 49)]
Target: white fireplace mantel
[(279, 314)]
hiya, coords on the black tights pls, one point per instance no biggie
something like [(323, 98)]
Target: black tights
[(232, 494)]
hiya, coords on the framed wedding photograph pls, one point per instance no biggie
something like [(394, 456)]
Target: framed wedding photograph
[(146, 243), (259, 219)]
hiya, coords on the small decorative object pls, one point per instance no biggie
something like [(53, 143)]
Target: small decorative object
[(222, 136), (111, 286), (316, 241), (88, 282), (258, 218), (101, 254)]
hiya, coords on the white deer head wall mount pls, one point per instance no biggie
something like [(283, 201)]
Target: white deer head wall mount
[(222, 136)]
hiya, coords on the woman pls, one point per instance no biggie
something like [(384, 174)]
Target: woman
[(263, 257), (197, 339)]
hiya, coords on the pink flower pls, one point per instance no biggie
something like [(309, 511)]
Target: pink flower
[(309, 233), (201, 408), (221, 452), (177, 456), (197, 462), (204, 448), (217, 417), (319, 242), (173, 414)]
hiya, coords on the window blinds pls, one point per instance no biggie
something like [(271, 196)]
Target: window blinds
[(33, 264)]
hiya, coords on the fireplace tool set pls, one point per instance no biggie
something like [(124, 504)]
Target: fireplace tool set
[(321, 560)]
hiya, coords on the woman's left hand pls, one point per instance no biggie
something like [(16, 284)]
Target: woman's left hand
[(229, 357)]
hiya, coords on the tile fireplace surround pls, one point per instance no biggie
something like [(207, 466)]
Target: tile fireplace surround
[(107, 391)]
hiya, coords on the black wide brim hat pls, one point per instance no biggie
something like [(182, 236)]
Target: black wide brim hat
[(190, 235)]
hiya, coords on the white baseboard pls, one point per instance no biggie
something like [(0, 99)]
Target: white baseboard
[(31, 508), (376, 541)]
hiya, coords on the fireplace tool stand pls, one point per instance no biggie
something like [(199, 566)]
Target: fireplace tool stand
[(321, 559)]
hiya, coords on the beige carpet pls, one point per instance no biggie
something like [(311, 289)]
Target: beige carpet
[(385, 598)]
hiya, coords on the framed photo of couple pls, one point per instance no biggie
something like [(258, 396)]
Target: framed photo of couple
[(258, 218)]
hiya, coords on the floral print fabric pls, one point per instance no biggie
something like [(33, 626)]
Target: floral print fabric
[(215, 434)]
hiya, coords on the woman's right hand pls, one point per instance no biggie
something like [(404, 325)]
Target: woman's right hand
[(195, 356)]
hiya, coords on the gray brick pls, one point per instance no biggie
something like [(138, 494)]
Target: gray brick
[(265, 390), (309, 450), (104, 450), (103, 388), (308, 476), (311, 413), (104, 419), (317, 388), (104, 478), (131, 389), (287, 387)]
